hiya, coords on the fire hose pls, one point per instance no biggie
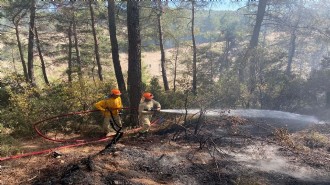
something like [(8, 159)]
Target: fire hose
[(76, 142)]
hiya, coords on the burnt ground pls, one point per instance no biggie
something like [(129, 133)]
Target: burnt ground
[(221, 152)]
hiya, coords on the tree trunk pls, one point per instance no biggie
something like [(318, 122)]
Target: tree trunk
[(96, 45), (43, 67), (14, 63), (253, 45), (293, 38), (175, 66), (327, 103), (292, 51), (260, 17), (194, 83), (69, 71), (114, 46), (21, 53), (30, 44), (134, 59), (77, 48), (162, 52)]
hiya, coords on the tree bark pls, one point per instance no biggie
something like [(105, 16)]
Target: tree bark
[(134, 58), (162, 52), (69, 71), (175, 66), (260, 17), (77, 47), (194, 83), (253, 45), (13, 59), (292, 51), (292, 46), (43, 67), (19, 45), (96, 45), (30, 43), (114, 46)]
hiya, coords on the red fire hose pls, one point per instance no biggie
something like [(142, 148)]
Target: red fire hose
[(50, 150), (76, 142)]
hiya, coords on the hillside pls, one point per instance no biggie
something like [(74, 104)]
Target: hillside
[(56, 71)]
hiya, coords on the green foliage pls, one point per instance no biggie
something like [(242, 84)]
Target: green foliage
[(319, 80), (231, 83), (8, 145), (226, 93), (29, 104), (4, 97), (155, 87), (145, 75), (167, 99), (262, 80)]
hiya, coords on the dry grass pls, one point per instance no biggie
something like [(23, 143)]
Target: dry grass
[(316, 140)]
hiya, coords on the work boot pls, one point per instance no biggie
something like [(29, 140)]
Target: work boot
[(113, 150)]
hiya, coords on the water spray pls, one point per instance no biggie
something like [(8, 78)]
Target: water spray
[(248, 113)]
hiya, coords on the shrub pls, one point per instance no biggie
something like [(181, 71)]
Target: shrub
[(316, 140), (8, 145), (283, 136), (4, 97), (32, 104), (167, 99)]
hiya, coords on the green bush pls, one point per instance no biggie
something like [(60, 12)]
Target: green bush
[(167, 99), (32, 104), (8, 145), (4, 97)]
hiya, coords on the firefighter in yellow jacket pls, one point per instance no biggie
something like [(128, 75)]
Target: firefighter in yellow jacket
[(146, 110), (110, 108)]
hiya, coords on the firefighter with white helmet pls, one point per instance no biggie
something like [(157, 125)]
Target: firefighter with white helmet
[(110, 108), (146, 110)]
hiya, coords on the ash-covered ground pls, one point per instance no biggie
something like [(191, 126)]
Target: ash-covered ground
[(208, 151)]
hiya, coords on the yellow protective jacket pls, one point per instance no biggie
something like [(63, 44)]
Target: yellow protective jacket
[(113, 104)]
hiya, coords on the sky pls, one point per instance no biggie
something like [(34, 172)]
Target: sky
[(218, 5)]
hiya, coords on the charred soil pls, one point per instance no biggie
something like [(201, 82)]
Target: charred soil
[(215, 152)]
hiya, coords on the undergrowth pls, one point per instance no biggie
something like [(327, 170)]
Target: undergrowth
[(8, 145), (316, 140)]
